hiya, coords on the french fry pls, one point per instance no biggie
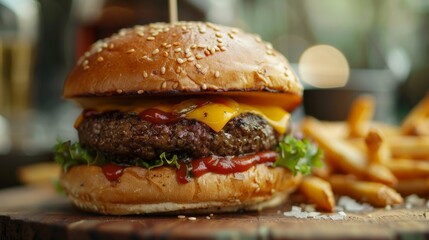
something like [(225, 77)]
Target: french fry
[(376, 194), (408, 168), (346, 156), (319, 192), (360, 115), (378, 150), (419, 186), (422, 129), (378, 153), (417, 115), (380, 173), (387, 129), (415, 147)]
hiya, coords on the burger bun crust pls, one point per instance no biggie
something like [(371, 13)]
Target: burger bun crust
[(143, 191)]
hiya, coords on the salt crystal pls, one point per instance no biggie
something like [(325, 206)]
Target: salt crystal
[(313, 214), (289, 214), (296, 209), (408, 205), (342, 213), (309, 208), (415, 200), (350, 204), (336, 217)]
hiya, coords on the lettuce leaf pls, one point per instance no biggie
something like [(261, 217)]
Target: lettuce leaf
[(299, 156), (69, 154)]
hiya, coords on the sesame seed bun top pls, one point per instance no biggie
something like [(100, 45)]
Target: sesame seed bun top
[(187, 58)]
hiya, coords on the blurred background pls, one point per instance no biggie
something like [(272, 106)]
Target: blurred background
[(380, 47)]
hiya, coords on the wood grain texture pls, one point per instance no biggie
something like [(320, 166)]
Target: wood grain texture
[(39, 213)]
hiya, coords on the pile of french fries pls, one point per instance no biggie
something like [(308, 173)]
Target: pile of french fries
[(369, 161)]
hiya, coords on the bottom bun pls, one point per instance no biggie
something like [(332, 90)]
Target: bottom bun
[(141, 191)]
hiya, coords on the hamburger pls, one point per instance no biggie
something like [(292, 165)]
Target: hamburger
[(182, 117)]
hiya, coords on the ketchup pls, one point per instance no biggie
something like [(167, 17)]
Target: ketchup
[(222, 165), (112, 171), (157, 116)]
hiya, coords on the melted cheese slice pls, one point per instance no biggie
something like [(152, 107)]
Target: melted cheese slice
[(215, 114)]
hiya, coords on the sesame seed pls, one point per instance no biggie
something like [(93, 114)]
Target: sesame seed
[(176, 84), (198, 66), (145, 74), (286, 75), (202, 30), (218, 35), (140, 34), (87, 54), (174, 35), (165, 54), (207, 52), (150, 38), (164, 44), (234, 30), (211, 214), (190, 59), (111, 46), (258, 39), (176, 44), (156, 51), (181, 216), (85, 62), (99, 49), (269, 46), (178, 69), (192, 218), (188, 54), (131, 50), (119, 91), (219, 40), (207, 217), (168, 46), (100, 59), (199, 56), (154, 34), (204, 86), (220, 45), (86, 67), (231, 35), (140, 92), (202, 46), (164, 85), (177, 49), (217, 48), (217, 74), (212, 50), (122, 32), (163, 70), (179, 60), (223, 48), (269, 52), (193, 46)]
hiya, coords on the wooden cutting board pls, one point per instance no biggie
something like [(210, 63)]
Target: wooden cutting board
[(40, 213)]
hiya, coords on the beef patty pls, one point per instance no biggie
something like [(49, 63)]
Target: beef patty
[(126, 136)]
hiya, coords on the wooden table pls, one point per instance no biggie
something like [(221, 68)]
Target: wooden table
[(40, 213)]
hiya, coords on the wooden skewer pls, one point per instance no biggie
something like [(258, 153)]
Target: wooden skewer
[(173, 10)]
